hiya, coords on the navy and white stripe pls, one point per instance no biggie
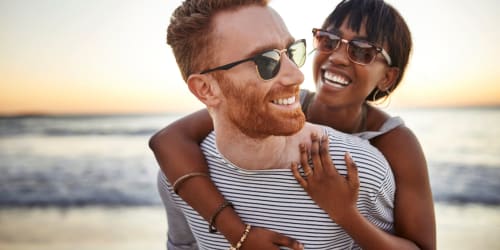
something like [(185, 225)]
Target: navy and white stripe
[(273, 199)]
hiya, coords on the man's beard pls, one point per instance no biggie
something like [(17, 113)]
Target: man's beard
[(254, 115)]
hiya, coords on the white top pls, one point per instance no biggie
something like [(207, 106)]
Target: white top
[(388, 125)]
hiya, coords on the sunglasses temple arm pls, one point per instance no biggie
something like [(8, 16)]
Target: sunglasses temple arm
[(312, 51)]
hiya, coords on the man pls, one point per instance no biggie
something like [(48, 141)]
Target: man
[(239, 59)]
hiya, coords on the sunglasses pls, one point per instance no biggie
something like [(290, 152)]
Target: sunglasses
[(358, 51), (268, 62)]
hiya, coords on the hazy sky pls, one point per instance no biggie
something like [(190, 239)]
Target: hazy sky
[(74, 56)]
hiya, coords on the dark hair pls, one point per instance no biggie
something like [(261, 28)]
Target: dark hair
[(189, 32), (384, 24)]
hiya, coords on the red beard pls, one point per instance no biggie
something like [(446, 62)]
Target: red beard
[(253, 113)]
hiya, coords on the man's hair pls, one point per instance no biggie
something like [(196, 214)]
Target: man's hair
[(384, 24), (190, 31)]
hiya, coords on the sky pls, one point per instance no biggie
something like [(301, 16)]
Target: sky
[(110, 56)]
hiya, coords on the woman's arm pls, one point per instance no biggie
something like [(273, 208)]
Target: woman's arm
[(341, 206), (177, 151), (414, 208)]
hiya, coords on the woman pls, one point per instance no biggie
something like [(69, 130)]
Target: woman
[(361, 54)]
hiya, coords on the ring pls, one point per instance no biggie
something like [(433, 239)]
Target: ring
[(307, 173)]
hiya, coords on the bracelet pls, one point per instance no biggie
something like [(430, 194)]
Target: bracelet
[(242, 239), (183, 178), (211, 227)]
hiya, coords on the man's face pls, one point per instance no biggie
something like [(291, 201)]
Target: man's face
[(259, 108)]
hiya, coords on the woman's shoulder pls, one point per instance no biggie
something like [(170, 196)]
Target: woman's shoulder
[(378, 123), (375, 118), (390, 126), (399, 140)]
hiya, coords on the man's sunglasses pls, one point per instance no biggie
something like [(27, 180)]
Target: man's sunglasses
[(358, 51), (268, 62)]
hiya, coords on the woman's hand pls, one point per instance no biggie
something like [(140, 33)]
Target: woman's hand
[(261, 238), (334, 193)]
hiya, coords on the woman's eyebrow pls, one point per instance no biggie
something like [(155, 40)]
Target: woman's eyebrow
[(341, 34)]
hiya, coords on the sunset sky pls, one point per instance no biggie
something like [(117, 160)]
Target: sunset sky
[(106, 56)]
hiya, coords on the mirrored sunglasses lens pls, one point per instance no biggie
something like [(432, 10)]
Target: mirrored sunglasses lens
[(268, 64), (297, 52), (326, 42), (362, 52)]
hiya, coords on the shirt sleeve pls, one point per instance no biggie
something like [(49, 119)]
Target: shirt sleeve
[(179, 236), (382, 213)]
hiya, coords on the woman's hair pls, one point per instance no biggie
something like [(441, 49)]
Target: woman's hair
[(190, 31), (384, 25)]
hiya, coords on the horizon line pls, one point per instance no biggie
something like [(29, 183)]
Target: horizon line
[(147, 113)]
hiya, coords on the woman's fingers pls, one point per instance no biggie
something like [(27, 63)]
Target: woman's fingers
[(304, 160), (316, 160), (285, 241), (297, 176), (262, 238), (326, 160), (352, 171)]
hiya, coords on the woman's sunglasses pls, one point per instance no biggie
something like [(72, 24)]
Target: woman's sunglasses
[(358, 51), (268, 62)]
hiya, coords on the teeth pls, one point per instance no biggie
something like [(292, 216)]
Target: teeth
[(336, 78), (285, 101)]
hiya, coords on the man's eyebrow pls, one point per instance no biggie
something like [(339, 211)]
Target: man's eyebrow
[(268, 47)]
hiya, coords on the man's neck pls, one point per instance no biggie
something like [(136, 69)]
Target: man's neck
[(272, 152)]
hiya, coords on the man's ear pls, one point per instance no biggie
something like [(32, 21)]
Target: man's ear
[(205, 88), (390, 77)]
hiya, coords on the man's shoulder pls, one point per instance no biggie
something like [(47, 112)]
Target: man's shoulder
[(209, 141), (337, 135), (310, 128), (333, 135), (356, 146)]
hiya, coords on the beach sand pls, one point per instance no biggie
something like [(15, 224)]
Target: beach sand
[(139, 228)]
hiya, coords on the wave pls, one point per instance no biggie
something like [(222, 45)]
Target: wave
[(95, 201), (124, 186), (69, 132), (63, 187), (82, 125), (77, 132), (461, 183)]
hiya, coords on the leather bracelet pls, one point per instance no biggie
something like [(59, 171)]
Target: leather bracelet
[(242, 239), (211, 226), (183, 178)]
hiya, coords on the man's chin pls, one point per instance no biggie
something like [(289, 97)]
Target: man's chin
[(278, 125), (293, 125), (295, 128)]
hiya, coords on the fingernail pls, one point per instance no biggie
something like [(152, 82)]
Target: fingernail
[(351, 161), (324, 138)]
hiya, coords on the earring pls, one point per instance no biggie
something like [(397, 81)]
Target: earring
[(375, 95), (387, 97)]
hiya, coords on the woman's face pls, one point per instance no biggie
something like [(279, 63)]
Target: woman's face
[(341, 82)]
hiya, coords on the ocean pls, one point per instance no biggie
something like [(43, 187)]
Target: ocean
[(104, 160)]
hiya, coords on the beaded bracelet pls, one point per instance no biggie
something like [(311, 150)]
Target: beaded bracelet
[(183, 178), (242, 239), (211, 227)]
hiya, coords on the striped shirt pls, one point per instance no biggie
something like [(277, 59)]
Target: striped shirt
[(273, 199)]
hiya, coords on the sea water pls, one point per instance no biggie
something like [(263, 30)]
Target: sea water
[(105, 160)]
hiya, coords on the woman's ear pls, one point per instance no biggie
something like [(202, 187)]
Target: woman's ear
[(205, 88), (390, 77)]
